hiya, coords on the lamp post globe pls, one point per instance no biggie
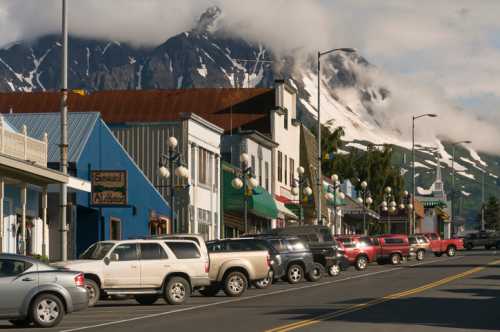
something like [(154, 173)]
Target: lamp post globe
[(402, 206), (384, 204), (253, 183), (388, 189), (410, 206), (335, 178), (329, 196), (301, 170), (341, 195), (392, 204), (364, 184), (244, 158), (384, 208), (360, 200), (172, 142), (295, 191), (392, 209), (182, 172), (308, 191), (369, 201), (164, 172), (237, 183), (406, 193)]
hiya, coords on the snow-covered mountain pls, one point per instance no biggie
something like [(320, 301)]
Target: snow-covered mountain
[(207, 56)]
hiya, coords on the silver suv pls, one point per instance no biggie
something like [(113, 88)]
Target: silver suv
[(145, 269)]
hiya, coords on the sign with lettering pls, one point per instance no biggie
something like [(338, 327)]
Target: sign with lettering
[(109, 188)]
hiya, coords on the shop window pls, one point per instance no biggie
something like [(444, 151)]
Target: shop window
[(286, 170), (266, 174), (280, 166), (292, 171), (216, 174), (115, 229), (204, 167), (260, 172)]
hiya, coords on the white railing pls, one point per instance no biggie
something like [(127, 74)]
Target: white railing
[(21, 146)]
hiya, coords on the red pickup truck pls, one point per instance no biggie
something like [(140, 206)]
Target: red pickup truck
[(394, 247), (440, 246), (359, 250)]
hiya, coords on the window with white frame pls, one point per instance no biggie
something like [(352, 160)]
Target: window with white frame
[(216, 174), (204, 167)]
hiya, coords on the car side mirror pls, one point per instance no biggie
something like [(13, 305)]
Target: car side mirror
[(106, 260)]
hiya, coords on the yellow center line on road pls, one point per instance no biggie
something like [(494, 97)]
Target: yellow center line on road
[(387, 298)]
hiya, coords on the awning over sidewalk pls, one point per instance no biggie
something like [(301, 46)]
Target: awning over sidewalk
[(285, 212), (29, 172), (260, 203)]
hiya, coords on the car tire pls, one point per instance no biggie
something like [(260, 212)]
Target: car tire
[(315, 273), (395, 259), (469, 246), (93, 291), (295, 274), (266, 282), (438, 254), (20, 322), (146, 299), (420, 255), (177, 291), (451, 251), (210, 291), (47, 310), (334, 270), (235, 284), (361, 263)]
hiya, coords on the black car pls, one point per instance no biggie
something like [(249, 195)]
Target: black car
[(296, 258), (325, 249)]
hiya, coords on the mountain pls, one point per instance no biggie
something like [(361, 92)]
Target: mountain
[(208, 56)]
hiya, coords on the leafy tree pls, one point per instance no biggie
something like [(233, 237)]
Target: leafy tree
[(492, 213)]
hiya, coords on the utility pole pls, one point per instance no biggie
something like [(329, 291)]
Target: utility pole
[(482, 200), (63, 195)]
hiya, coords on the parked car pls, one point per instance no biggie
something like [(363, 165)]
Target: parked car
[(440, 246), (234, 263), (392, 247), (145, 269), (325, 249), (34, 292), (296, 258), (198, 239), (419, 245), (487, 240), (359, 250)]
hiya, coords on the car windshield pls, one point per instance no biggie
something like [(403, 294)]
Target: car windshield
[(97, 251)]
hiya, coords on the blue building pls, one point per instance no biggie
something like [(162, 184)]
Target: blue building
[(93, 147)]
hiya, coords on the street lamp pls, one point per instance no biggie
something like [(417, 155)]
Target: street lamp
[(413, 180), (453, 145), (331, 195), (170, 165), (300, 188), (407, 205), (319, 178), (247, 181), (388, 205), (366, 200)]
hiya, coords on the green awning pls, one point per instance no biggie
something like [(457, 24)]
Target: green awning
[(261, 203)]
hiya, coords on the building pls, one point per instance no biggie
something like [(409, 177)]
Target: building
[(197, 201), (93, 147), (24, 179)]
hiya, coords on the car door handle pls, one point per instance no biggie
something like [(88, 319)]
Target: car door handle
[(27, 279), (134, 266)]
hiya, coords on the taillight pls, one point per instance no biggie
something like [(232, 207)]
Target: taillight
[(80, 280), (268, 261), (207, 267)]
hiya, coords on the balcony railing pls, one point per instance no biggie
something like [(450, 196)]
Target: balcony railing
[(21, 146)]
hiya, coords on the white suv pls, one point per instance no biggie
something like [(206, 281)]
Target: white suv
[(146, 269)]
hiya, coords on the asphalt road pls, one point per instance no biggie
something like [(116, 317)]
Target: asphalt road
[(441, 294)]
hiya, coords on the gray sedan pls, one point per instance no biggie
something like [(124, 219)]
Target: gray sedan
[(34, 292)]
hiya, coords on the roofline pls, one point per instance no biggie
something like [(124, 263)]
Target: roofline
[(259, 137), (202, 121)]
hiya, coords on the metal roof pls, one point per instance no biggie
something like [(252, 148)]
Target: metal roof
[(227, 108), (80, 127)]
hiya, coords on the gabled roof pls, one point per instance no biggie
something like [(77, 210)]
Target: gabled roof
[(80, 127), (229, 109)]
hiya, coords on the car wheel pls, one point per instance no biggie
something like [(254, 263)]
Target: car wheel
[(177, 290), (420, 255), (395, 259), (334, 270), (146, 299), (316, 273), (361, 263), (235, 284), (211, 290), (451, 251), (20, 322), (47, 310), (93, 291), (266, 282), (469, 246), (295, 274)]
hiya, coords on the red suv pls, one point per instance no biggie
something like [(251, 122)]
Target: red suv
[(394, 247), (359, 250)]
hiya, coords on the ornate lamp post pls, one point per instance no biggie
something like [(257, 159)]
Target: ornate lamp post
[(301, 189), (247, 181), (366, 200), (388, 205), (170, 165), (406, 203), (331, 195)]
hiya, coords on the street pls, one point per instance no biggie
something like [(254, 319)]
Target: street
[(461, 293)]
